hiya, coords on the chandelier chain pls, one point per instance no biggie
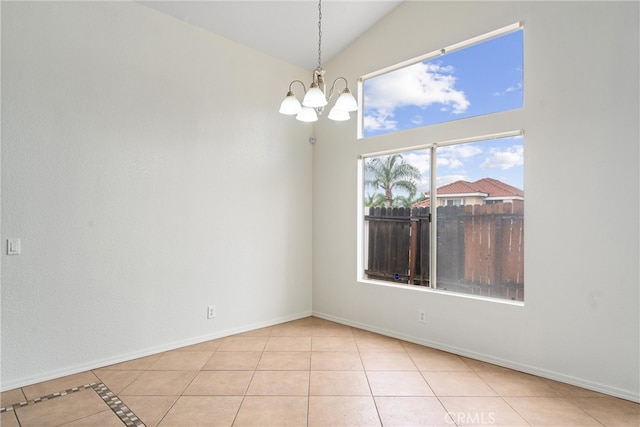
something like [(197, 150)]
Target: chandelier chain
[(319, 33)]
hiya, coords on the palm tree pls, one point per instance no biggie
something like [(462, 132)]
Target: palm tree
[(392, 172), (374, 200), (408, 201)]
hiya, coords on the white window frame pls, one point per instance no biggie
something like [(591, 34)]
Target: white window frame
[(451, 48), (361, 235), (445, 202)]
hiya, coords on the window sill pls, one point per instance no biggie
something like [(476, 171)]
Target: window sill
[(415, 288)]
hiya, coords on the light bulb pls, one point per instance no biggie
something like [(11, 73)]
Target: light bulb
[(338, 114), (346, 101), (290, 105), (314, 97), (307, 114)]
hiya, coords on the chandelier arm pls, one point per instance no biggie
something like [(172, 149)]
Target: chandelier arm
[(346, 84), (298, 81)]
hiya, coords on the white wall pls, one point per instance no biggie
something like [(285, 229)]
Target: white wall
[(126, 173), (580, 321), (148, 174)]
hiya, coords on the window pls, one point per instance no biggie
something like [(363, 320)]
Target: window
[(476, 77), (452, 202), (446, 215), (473, 241)]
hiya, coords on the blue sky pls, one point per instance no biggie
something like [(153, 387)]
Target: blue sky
[(501, 159), (480, 79)]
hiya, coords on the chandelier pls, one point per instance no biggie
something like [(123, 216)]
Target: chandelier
[(315, 99)]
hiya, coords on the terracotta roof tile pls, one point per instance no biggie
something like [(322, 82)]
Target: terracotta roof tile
[(489, 186), (496, 188), (423, 204)]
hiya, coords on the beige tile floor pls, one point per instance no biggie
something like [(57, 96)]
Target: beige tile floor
[(312, 372)]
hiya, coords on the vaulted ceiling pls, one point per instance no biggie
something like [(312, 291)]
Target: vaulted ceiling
[(287, 30)]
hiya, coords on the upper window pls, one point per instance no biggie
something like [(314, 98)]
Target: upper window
[(480, 76)]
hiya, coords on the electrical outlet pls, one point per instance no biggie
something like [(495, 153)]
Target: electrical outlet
[(422, 315), (211, 312)]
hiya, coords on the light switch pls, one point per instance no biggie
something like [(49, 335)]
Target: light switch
[(13, 246)]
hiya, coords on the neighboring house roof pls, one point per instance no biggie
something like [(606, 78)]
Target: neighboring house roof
[(423, 204), (488, 188)]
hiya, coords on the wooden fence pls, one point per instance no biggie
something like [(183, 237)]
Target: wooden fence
[(480, 247)]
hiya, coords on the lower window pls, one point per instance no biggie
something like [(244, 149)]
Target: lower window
[(467, 238)]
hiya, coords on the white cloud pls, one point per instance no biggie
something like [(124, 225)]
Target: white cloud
[(448, 179), (423, 187), (421, 85), (379, 122), (449, 163), (421, 160), (509, 89), (416, 120), (504, 159), (460, 151), (454, 156)]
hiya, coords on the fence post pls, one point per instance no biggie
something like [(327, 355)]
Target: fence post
[(413, 247)]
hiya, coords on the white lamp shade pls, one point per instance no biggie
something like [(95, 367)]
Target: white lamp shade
[(338, 114), (290, 105), (346, 101), (314, 97), (307, 114)]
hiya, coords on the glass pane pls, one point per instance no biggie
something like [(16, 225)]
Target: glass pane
[(396, 233), (480, 235), (480, 79)]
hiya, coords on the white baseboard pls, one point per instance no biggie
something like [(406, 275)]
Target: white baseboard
[(95, 364), (556, 376)]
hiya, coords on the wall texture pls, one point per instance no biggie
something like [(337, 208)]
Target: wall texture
[(148, 174), (580, 320)]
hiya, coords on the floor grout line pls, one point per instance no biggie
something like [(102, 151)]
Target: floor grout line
[(130, 419), (29, 402), (110, 398)]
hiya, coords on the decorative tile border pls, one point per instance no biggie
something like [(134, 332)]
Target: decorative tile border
[(115, 404), (45, 398)]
